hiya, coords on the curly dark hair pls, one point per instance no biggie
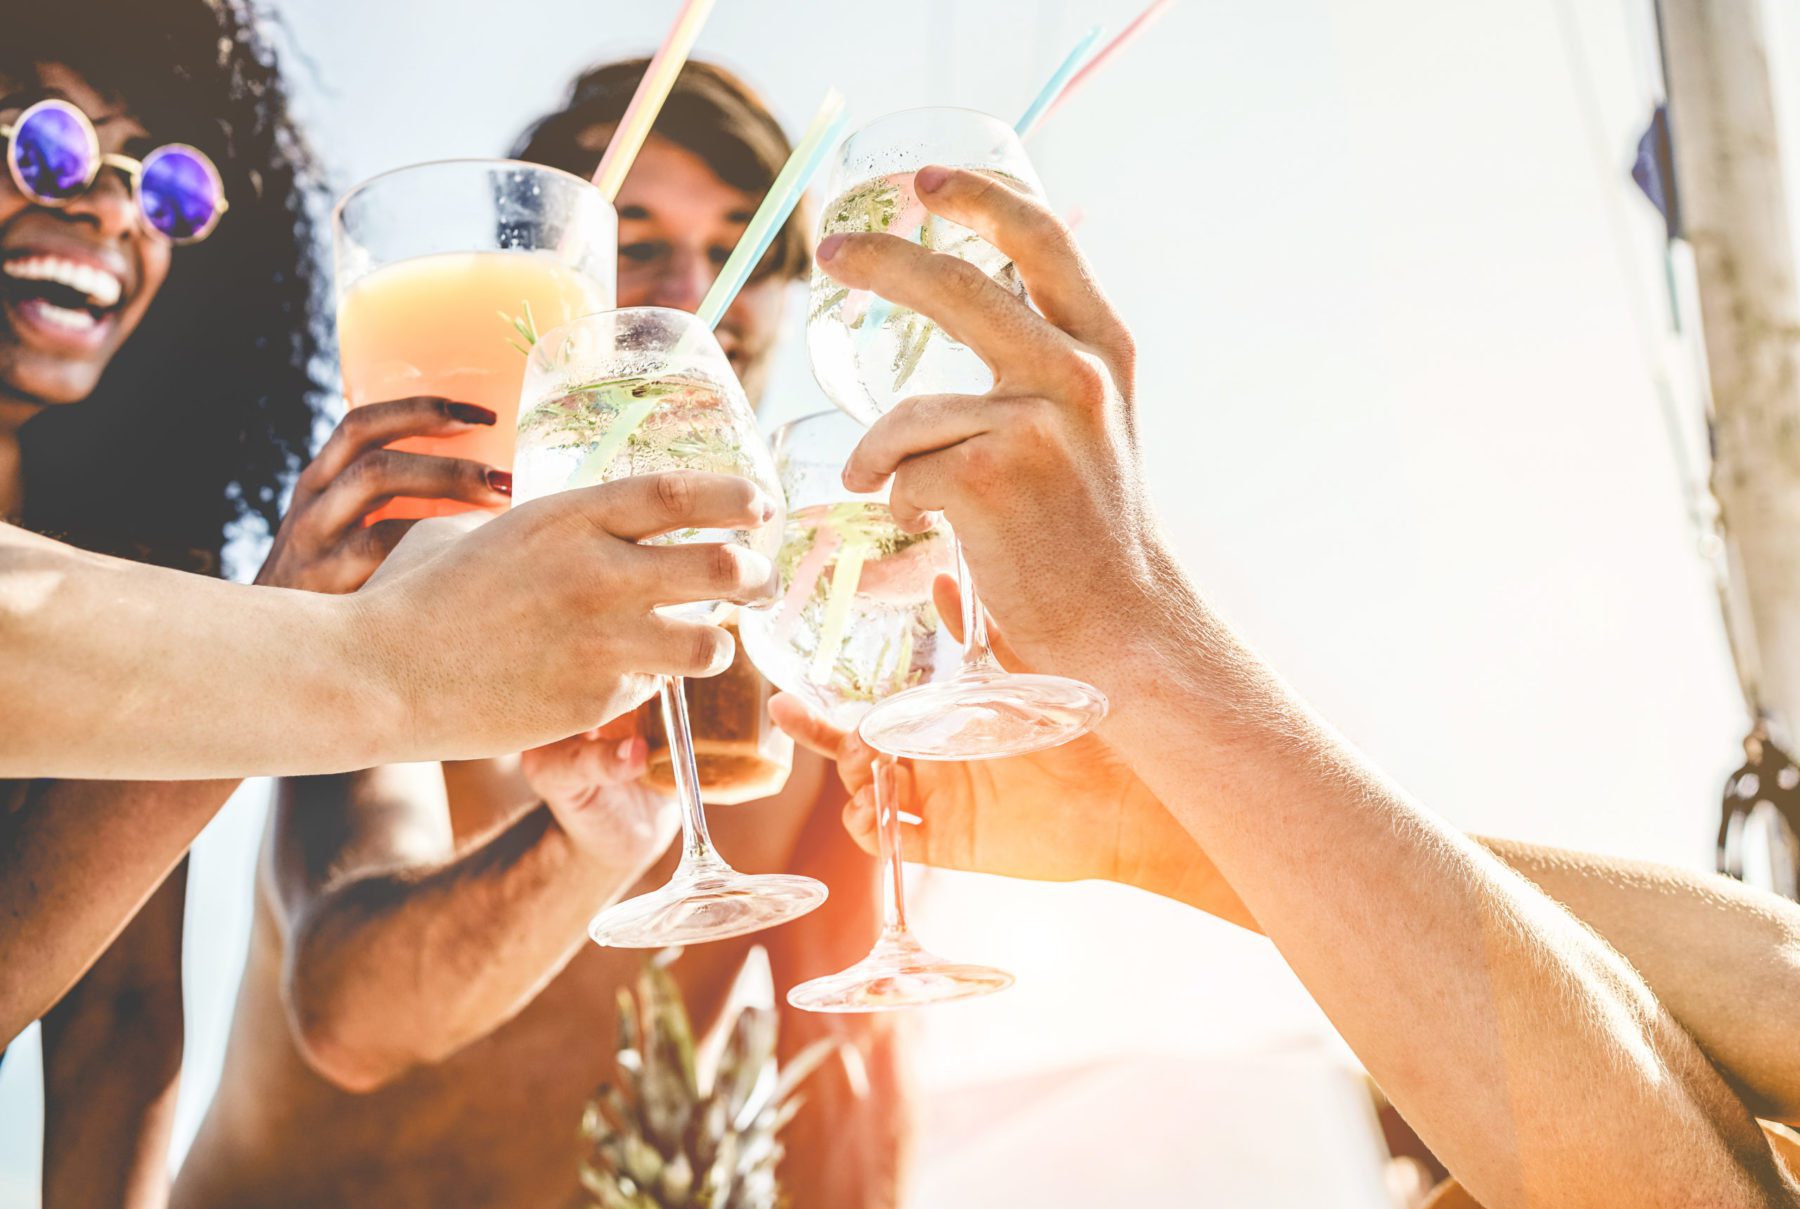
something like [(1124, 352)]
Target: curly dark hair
[(207, 411)]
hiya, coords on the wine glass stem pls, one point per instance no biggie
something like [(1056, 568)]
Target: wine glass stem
[(697, 852), (893, 870), (977, 655)]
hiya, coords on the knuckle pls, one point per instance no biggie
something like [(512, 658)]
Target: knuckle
[(965, 279), (675, 494), (712, 650), (473, 475), (721, 566), (1035, 427), (980, 464), (1087, 376), (1124, 348), (1040, 225), (370, 468)]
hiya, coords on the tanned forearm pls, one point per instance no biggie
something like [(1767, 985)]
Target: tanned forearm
[(112, 1065), (393, 969), (115, 669), (77, 860), (1526, 1052), (1722, 958)]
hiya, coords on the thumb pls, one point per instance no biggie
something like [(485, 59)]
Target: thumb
[(859, 820), (947, 598), (862, 821), (805, 727)]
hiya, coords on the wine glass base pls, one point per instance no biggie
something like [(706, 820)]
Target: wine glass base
[(712, 906), (983, 715), (894, 977)]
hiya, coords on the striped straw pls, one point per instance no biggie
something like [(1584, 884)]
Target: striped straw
[(1127, 36), (790, 185), (1040, 104), (783, 196), (647, 101)]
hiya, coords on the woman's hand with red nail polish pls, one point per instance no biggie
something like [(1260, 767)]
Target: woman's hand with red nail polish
[(324, 544)]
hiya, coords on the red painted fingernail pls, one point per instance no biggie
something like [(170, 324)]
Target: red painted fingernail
[(829, 245), (500, 481), (930, 180), (469, 413)]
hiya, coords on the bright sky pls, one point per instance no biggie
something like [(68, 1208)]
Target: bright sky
[(1397, 409)]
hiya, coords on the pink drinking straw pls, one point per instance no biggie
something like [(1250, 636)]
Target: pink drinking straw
[(1126, 37), (647, 101)]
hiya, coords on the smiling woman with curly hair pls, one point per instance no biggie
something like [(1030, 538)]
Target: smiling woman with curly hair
[(191, 400), (155, 390)]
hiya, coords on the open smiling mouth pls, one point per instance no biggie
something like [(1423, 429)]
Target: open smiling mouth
[(60, 297)]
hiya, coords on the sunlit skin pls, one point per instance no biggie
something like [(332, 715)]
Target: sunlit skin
[(41, 365), (678, 222), (419, 952)]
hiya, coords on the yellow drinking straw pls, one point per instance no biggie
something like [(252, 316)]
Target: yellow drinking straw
[(842, 593), (648, 100)]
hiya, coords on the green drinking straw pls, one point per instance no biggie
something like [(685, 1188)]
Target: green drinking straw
[(790, 184), (1040, 104), (783, 196)]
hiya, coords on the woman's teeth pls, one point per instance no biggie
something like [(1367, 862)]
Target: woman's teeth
[(63, 317), (101, 289)]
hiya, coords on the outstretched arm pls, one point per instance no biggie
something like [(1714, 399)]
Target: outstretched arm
[(400, 948), (1724, 959), (1524, 1050), (487, 643), (77, 861), (112, 1066)]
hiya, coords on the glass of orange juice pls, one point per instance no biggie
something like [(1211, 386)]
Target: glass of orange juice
[(444, 272)]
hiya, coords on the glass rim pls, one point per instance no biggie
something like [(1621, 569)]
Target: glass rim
[(919, 109), (468, 161), (779, 439), (593, 316), (824, 413), (558, 335)]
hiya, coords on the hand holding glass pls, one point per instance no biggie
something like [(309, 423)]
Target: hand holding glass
[(639, 391), (853, 624), (869, 354)]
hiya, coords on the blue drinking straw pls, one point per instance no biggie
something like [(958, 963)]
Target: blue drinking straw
[(1034, 113), (778, 203), (790, 185), (879, 309)]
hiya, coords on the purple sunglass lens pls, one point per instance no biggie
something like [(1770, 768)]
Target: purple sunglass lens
[(180, 192), (54, 155)]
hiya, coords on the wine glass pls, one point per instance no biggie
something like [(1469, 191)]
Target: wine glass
[(868, 354), (853, 623), (640, 391)]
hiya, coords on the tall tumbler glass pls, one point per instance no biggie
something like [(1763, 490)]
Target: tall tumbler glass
[(444, 271)]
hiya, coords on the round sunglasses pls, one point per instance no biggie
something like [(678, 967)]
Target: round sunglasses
[(54, 157)]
